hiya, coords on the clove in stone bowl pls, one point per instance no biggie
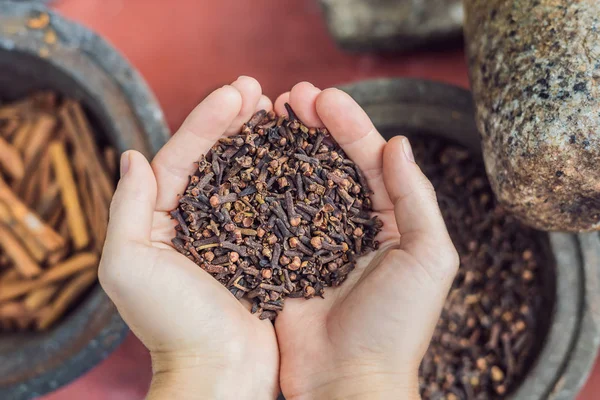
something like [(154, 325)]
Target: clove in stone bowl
[(124, 114), (568, 341)]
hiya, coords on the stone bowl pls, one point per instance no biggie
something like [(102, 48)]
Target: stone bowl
[(125, 114), (394, 25), (569, 339)]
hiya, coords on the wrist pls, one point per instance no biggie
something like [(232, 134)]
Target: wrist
[(203, 377), (182, 385), (355, 383)]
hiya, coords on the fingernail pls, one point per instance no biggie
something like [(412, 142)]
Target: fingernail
[(408, 150), (125, 162)]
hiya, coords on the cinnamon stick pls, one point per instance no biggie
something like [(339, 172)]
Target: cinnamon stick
[(41, 133), (87, 196), (9, 111), (42, 128), (22, 106), (79, 132), (45, 235), (100, 214), (38, 298), (31, 189), (22, 261), (70, 293), (63, 229), (13, 309), (35, 249), (22, 135), (49, 200), (56, 216), (8, 276), (96, 212), (10, 161), (70, 198), (45, 174), (56, 273)]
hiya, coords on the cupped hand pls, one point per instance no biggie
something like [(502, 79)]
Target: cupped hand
[(367, 337), (203, 342)]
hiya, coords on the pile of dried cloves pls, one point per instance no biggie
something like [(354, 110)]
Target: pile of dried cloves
[(277, 211), (490, 324)]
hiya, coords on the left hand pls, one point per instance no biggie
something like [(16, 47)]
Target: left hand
[(201, 338)]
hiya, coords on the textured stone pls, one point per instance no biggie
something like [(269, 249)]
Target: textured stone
[(534, 67), (392, 24)]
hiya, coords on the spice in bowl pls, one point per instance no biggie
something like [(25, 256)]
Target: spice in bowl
[(486, 337), (277, 211), (56, 185)]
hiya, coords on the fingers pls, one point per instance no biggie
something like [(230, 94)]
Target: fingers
[(352, 128), (251, 93), (279, 106), (422, 229), (223, 112), (264, 104), (349, 125), (302, 98), (133, 203), (203, 127)]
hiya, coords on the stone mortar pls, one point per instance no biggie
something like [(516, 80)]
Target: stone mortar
[(534, 67), (125, 114)]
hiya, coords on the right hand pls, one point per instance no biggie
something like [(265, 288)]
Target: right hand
[(367, 338)]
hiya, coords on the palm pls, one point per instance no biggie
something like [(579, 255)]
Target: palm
[(176, 277), (349, 320)]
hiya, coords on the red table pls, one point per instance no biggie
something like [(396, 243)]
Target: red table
[(187, 48)]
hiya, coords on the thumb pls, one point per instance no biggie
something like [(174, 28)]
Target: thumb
[(133, 204), (423, 233)]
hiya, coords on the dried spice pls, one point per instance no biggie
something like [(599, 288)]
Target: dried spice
[(55, 190), (489, 329), (277, 211)]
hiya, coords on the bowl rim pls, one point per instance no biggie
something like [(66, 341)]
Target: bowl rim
[(585, 349), (77, 53), (427, 107)]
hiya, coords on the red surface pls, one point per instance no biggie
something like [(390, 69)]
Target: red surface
[(185, 49)]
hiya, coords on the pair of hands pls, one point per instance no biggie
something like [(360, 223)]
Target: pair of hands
[(367, 337)]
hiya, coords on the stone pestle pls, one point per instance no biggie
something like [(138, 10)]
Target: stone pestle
[(535, 68)]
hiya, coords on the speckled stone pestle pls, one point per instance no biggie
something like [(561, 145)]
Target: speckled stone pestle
[(392, 25), (535, 66)]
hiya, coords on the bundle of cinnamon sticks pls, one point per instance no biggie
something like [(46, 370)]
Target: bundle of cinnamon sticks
[(56, 184)]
